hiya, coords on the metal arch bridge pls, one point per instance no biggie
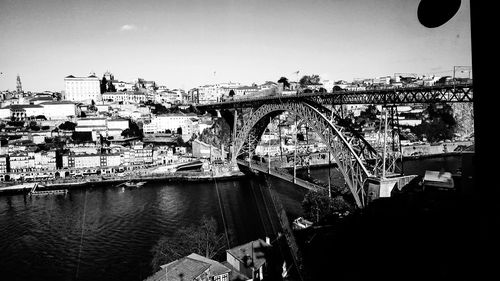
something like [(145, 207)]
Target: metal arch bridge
[(390, 96), (357, 160)]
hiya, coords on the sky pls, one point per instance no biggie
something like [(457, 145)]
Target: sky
[(185, 44)]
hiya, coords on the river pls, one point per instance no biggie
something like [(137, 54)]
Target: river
[(106, 233)]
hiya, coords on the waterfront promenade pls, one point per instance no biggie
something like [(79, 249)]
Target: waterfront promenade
[(138, 175)]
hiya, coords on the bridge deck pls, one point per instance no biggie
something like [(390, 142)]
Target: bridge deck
[(462, 92), (279, 174)]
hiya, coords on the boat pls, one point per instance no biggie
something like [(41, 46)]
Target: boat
[(189, 166), (301, 223), (439, 180), (132, 184)]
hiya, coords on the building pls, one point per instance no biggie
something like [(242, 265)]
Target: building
[(137, 154), (218, 271), (185, 269), (173, 123), (102, 126), (83, 148), (97, 160), (82, 89), (128, 96), (121, 86), (3, 165), (45, 160), (207, 151), (50, 110), (26, 111), (59, 110), (243, 91), (21, 161), (213, 93), (249, 259)]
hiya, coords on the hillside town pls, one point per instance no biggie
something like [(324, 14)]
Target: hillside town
[(101, 126)]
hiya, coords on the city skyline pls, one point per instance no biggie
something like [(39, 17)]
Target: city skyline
[(183, 44)]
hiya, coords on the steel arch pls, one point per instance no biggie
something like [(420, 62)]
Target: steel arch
[(351, 163)]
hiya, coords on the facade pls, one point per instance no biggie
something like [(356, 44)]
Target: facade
[(102, 126), (59, 110), (128, 96), (21, 161), (25, 111), (51, 111), (245, 91), (249, 259), (79, 148), (137, 154), (97, 160), (3, 164), (82, 89), (213, 93), (171, 123), (207, 151), (45, 160), (120, 124), (121, 86)]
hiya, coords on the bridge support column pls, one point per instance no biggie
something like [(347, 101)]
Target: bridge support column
[(382, 187), (234, 165)]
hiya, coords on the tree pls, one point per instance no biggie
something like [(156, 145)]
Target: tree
[(438, 123), (202, 239), (309, 80), (286, 84), (68, 126), (111, 87), (318, 206), (104, 83), (180, 141)]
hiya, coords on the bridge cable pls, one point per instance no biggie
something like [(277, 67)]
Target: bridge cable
[(222, 212)]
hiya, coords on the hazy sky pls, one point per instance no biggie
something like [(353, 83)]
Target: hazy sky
[(180, 43)]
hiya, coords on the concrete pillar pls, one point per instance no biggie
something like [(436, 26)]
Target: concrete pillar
[(233, 148)]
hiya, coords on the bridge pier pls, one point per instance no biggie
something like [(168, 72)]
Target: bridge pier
[(382, 187), (234, 164)]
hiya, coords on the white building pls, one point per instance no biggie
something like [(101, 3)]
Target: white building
[(59, 110), (131, 97), (45, 160), (102, 126), (170, 123), (82, 89)]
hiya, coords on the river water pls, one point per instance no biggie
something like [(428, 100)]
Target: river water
[(106, 233)]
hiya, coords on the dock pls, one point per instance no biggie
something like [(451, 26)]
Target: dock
[(35, 192)]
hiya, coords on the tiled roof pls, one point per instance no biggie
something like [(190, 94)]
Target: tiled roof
[(216, 268), (189, 268)]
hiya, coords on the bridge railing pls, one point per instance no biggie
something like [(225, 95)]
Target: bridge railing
[(447, 85)]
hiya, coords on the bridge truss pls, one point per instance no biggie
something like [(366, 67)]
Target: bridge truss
[(345, 149), (357, 160)]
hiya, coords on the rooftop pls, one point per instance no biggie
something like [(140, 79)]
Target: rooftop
[(216, 268), (255, 249), (188, 267)]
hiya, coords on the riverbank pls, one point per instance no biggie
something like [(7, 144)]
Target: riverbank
[(435, 155), (91, 181)]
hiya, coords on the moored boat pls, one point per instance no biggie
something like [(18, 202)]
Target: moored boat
[(132, 184)]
